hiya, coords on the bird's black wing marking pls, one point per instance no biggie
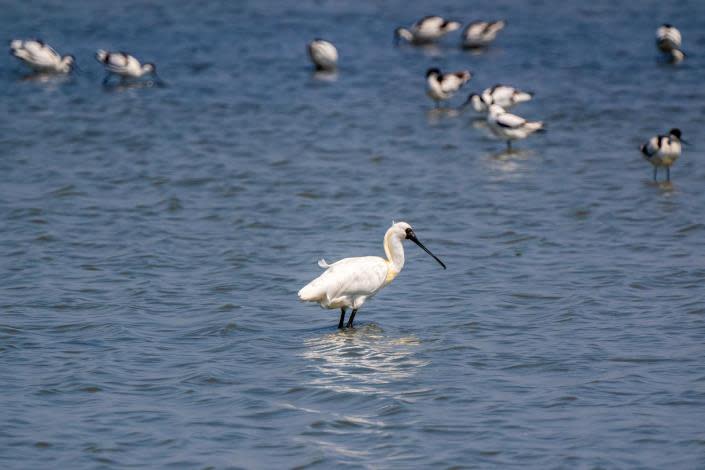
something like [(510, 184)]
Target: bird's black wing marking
[(503, 124)]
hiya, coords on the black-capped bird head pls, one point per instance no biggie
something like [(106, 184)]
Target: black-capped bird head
[(433, 71)]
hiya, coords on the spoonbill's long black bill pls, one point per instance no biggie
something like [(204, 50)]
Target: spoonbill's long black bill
[(416, 240)]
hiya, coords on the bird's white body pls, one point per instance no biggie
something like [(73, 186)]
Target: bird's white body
[(441, 87), (40, 56), (481, 33), (668, 40), (323, 54), (503, 95), (123, 64), (427, 30), (663, 150), (509, 126), (350, 282)]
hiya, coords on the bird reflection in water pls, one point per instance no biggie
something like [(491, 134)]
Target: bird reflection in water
[(665, 186), (124, 85), (363, 359), (480, 124), (508, 161), (46, 78), (325, 75), (434, 115)]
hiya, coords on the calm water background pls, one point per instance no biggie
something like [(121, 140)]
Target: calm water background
[(153, 241)]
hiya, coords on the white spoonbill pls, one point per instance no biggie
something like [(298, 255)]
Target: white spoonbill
[(124, 65), (668, 40), (504, 95), (323, 54), (40, 56), (509, 126), (442, 86), (481, 33), (349, 282), (427, 30), (663, 150)]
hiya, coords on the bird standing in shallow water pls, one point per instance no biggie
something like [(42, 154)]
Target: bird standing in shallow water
[(510, 126), (427, 30), (663, 150), (349, 282), (668, 40), (40, 56), (125, 66), (442, 86), (323, 54), (481, 33), (503, 95)]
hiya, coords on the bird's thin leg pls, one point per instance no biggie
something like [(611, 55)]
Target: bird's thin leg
[(342, 318), (655, 173), (509, 145), (106, 79), (352, 317), (668, 173)]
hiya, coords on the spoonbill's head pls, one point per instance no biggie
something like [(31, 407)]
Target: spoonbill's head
[(405, 232)]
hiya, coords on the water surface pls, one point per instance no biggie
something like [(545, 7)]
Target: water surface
[(153, 241)]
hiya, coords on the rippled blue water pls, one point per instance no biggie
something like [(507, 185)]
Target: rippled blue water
[(153, 241)]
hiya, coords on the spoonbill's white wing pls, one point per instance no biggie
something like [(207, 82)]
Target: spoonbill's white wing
[(347, 280)]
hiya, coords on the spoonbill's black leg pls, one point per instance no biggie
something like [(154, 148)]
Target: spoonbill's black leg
[(509, 145), (106, 79), (655, 173), (342, 317), (668, 173), (352, 316)]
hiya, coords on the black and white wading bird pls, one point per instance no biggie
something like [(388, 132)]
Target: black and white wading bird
[(481, 33), (40, 56), (668, 41), (427, 30), (503, 95), (510, 127), (350, 282), (442, 86), (663, 151), (125, 66), (323, 54)]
